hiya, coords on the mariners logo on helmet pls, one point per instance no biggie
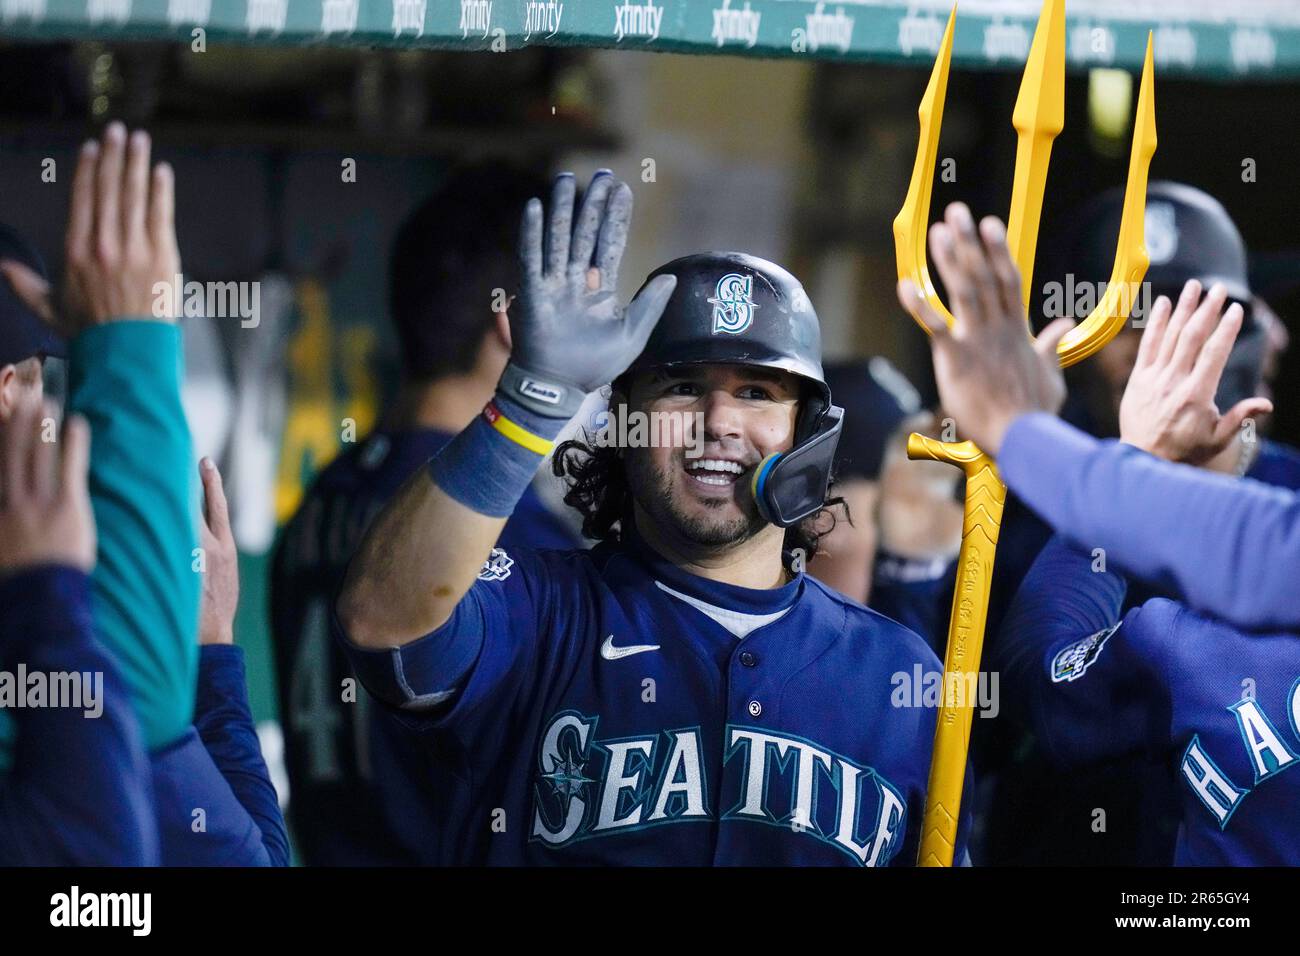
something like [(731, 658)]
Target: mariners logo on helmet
[(733, 304), (1161, 232)]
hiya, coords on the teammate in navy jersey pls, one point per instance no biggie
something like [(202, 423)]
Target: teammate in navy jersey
[(124, 374), (1190, 236), (351, 799), (1217, 708), (682, 693), (217, 805), (1225, 550), (78, 791), (906, 523)]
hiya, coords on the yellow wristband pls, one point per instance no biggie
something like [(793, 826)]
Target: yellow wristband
[(518, 435)]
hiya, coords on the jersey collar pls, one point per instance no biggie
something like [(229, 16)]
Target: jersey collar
[(693, 588)]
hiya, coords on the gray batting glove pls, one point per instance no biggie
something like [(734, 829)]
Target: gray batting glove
[(569, 334)]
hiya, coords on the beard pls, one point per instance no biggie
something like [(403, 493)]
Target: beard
[(656, 491)]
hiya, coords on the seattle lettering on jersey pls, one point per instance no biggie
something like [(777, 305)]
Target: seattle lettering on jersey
[(1269, 755), (658, 779)]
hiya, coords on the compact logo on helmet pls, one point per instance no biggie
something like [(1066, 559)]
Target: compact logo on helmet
[(733, 304), (1161, 232)]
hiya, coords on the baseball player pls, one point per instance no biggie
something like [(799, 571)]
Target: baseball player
[(906, 525), (78, 790), (1151, 517), (124, 374), (678, 694), (1216, 707), (343, 761), (1189, 235)]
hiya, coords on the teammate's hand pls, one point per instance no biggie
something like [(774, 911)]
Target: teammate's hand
[(120, 244), (45, 514), (920, 512), (221, 577), (567, 326), (988, 369), (1168, 407)]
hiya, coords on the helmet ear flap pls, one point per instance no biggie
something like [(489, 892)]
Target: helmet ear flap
[(812, 409), (789, 486)]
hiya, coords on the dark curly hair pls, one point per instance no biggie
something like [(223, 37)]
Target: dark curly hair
[(599, 491)]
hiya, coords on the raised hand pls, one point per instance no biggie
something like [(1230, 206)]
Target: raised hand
[(1168, 406), (568, 331), (989, 371), (120, 246), (221, 571), (45, 514)]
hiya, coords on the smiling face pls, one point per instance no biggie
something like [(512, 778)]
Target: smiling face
[(746, 413)]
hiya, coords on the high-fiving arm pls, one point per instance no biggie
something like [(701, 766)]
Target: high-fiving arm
[(569, 336), (1228, 548)]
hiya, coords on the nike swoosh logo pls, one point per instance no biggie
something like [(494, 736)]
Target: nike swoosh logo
[(612, 653)]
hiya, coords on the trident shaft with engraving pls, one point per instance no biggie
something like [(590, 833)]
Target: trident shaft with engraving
[(1039, 115)]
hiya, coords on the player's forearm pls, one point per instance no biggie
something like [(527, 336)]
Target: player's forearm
[(225, 725), (1229, 548), (125, 379), (424, 551)]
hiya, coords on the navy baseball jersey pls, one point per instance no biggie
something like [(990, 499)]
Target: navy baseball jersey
[(606, 707), (335, 752), (216, 803), (78, 793), (1219, 706)]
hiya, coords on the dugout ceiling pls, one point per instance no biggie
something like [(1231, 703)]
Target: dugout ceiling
[(1202, 38)]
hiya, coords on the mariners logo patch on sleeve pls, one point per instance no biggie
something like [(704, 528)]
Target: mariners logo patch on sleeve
[(1072, 660), (497, 566)]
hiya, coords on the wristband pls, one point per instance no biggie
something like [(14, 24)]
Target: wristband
[(489, 465)]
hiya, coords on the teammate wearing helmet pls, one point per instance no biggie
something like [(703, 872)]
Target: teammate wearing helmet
[(678, 694)]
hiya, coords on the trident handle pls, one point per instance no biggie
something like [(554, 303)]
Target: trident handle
[(1039, 115), (985, 498)]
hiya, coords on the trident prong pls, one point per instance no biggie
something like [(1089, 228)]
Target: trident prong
[(1038, 117)]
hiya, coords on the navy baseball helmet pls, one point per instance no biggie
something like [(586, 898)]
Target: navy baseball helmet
[(1189, 235), (733, 308), (23, 334)]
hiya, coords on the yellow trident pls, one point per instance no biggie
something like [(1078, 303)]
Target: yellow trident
[(1039, 115)]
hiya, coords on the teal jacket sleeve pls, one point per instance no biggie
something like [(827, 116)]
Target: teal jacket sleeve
[(125, 378)]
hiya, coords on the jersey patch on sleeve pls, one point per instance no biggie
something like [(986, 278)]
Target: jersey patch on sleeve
[(1073, 660), (497, 566)]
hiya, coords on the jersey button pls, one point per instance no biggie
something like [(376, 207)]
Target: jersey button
[(748, 659), (755, 708)]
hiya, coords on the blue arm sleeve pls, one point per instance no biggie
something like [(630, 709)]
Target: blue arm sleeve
[(78, 793), (1072, 668), (1229, 548), (225, 725), (125, 378), (200, 820)]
